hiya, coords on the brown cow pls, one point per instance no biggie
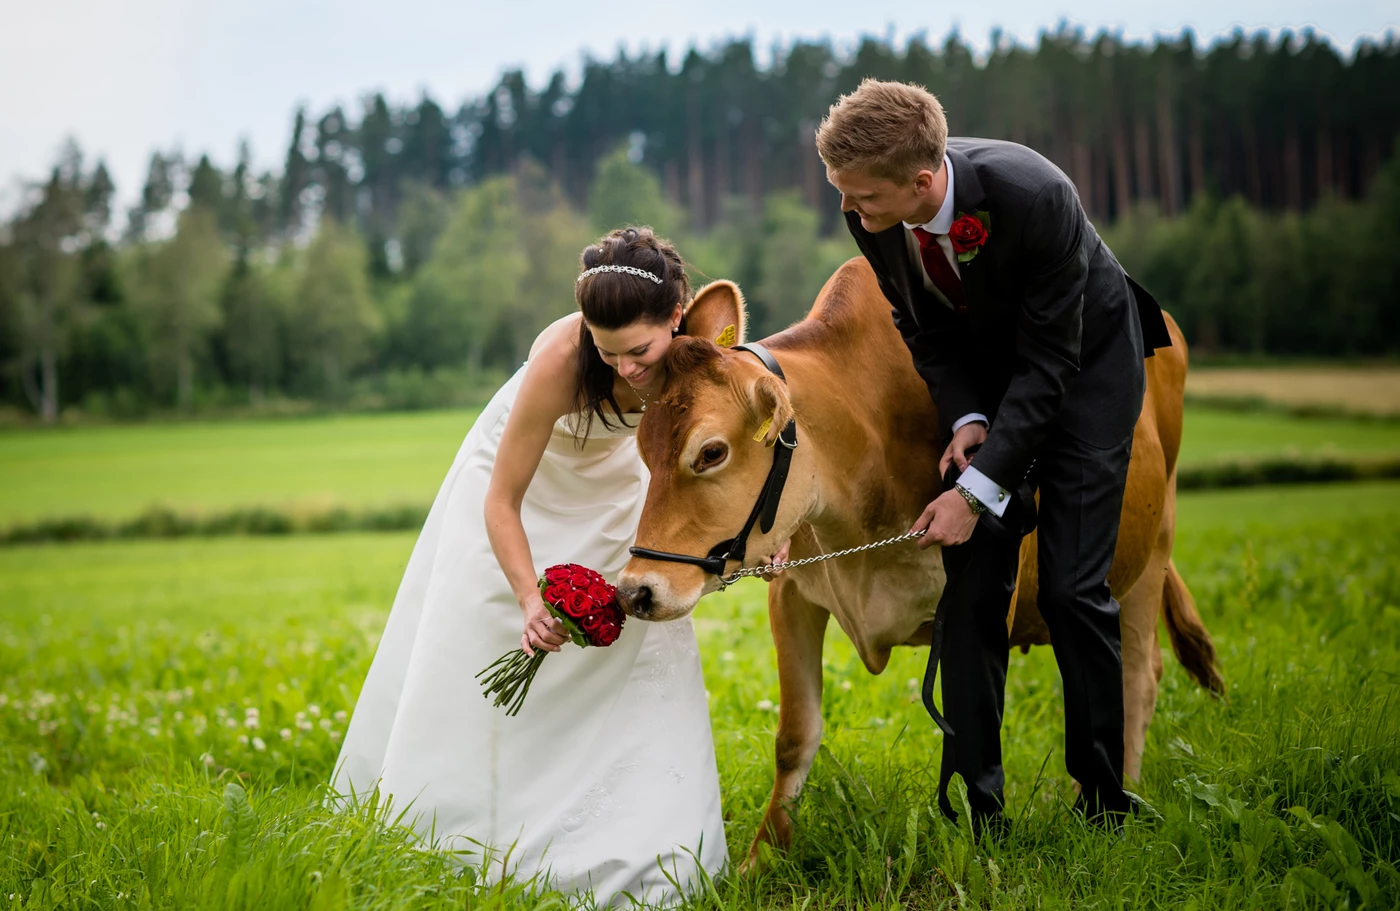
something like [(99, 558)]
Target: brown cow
[(865, 465)]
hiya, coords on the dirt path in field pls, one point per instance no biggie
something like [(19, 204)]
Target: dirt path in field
[(1369, 390)]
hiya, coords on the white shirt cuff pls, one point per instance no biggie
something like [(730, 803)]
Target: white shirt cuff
[(968, 419), (992, 496)]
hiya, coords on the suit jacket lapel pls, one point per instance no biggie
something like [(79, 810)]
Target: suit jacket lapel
[(896, 256), (968, 197)]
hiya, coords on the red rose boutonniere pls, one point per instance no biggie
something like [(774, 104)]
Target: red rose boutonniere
[(969, 233)]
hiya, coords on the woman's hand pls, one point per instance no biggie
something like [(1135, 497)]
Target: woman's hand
[(542, 629)]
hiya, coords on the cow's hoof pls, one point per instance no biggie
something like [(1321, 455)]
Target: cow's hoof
[(760, 858)]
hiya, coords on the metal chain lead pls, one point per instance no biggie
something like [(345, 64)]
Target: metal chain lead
[(726, 581)]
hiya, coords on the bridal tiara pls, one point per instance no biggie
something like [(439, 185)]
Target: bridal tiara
[(628, 270)]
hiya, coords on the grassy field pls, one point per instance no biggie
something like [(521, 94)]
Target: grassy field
[(118, 470), (169, 709), (1363, 390), (1213, 435), (113, 472)]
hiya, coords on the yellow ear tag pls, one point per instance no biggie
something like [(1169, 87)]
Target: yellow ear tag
[(728, 337), (762, 431)]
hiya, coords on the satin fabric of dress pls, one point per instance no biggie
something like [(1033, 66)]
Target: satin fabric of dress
[(608, 773)]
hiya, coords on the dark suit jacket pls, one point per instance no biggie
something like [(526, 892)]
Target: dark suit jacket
[(1054, 331)]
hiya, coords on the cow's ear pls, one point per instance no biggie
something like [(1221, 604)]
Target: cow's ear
[(772, 407), (717, 314)]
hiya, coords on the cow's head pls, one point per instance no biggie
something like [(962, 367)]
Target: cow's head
[(708, 442)]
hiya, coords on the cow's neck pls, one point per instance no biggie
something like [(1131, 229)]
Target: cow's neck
[(866, 482), (870, 480)]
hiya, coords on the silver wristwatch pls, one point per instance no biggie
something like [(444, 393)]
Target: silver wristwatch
[(977, 506)]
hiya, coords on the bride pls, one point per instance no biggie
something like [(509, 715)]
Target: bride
[(606, 780)]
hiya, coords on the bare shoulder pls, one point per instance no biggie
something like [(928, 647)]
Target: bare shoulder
[(551, 377), (559, 338)]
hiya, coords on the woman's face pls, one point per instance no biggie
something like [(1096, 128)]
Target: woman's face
[(637, 351)]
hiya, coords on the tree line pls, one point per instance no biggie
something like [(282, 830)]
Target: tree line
[(399, 257)]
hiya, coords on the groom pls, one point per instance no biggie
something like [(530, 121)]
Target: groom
[(1031, 339)]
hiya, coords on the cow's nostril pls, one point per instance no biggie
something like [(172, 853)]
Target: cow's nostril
[(641, 602)]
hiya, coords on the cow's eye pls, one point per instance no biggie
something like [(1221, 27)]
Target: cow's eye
[(711, 455)]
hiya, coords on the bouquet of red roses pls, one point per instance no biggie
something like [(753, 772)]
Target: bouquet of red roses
[(588, 608)]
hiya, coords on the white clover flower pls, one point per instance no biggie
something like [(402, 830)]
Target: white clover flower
[(243, 739), (335, 735), (765, 705), (231, 722), (207, 759), (258, 744), (325, 724), (846, 685), (315, 710), (285, 733), (341, 716)]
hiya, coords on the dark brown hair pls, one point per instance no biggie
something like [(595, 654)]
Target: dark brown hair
[(612, 300)]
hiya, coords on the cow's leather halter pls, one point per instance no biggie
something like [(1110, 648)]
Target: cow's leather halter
[(765, 508)]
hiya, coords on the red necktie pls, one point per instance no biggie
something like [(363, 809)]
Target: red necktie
[(944, 276)]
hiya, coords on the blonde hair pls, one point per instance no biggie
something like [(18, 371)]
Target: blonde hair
[(890, 130)]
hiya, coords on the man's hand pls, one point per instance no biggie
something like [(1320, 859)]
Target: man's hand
[(780, 557), (973, 433), (949, 520)]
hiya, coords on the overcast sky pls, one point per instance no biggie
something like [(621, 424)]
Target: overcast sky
[(124, 78)]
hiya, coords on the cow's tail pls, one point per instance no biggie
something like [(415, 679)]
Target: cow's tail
[(1190, 639)]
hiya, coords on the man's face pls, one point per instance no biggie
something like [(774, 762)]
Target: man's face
[(880, 202)]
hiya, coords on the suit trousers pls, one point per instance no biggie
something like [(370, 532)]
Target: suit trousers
[(1081, 498)]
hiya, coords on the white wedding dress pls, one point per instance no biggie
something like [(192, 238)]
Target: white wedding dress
[(606, 780)]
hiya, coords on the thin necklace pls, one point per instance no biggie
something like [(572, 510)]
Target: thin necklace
[(641, 397)]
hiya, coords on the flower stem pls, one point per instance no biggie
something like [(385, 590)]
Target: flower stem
[(508, 678)]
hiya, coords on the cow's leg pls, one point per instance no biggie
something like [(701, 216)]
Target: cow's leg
[(1142, 654), (798, 628), (1142, 661)]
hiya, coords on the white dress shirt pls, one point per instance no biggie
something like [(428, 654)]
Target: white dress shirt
[(990, 493)]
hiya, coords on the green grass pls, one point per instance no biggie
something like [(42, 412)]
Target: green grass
[(128, 767), (1217, 434), (120, 470), (375, 460)]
